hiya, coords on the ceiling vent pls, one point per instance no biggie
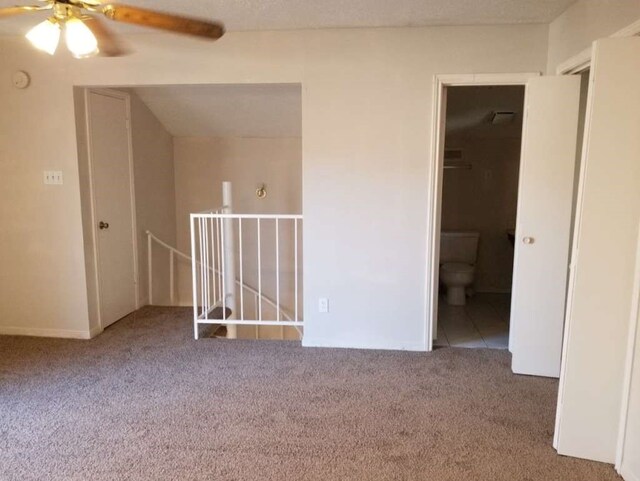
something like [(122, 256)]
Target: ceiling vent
[(502, 117)]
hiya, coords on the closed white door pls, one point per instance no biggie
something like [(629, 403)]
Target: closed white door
[(113, 203), (543, 227)]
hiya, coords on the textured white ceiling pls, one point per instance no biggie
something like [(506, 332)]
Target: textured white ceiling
[(300, 14), (469, 111), (266, 110)]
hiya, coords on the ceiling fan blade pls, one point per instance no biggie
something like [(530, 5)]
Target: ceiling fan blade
[(164, 21), (108, 43), (11, 11)]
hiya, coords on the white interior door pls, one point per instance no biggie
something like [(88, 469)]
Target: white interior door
[(602, 278), (629, 456), (543, 224), (113, 203)]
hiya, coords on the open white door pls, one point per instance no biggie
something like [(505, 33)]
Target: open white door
[(601, 288), (543, 224), (628, 462), (110, 155)]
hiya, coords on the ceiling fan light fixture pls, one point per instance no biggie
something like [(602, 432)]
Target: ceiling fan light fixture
[(81, 41), (86, 35), (45, 36)]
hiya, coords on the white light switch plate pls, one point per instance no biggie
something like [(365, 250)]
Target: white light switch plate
[(323, 305), (53, 177)]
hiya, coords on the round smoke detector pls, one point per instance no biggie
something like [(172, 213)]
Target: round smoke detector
[(21, 79)]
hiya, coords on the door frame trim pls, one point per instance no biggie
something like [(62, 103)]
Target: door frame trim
[(94, 243), (582, 60), (434, 197)]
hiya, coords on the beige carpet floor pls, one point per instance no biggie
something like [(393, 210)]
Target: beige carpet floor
[(144, 401)]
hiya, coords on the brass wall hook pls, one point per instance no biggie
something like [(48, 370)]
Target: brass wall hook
[(261, 192)]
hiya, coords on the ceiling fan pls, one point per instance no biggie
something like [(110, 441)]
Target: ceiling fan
[(86, 35)]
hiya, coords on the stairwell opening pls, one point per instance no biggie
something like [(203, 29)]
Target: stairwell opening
[(184, 142)]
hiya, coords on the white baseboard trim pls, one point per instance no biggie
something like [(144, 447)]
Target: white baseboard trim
[(40, 332), (94, 331), (381, 345)]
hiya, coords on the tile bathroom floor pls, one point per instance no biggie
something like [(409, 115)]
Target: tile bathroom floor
[(482, 322)]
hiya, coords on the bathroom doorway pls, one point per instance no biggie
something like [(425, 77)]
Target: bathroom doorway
[(545, 197), (482, 147)]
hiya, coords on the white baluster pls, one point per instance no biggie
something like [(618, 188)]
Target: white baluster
[(219, 253), (278, 271), (214, 275), (171, 278), (241, 269), (200, 263), (295, 267), (150, 268), (194, 278), (229, 250), (259, 274)]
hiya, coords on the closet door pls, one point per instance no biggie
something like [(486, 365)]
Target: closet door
[(604, 251), (628, 460), (111, 175)]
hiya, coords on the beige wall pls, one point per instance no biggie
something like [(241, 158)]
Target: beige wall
[(484, 199), (584, 22), (202, 164), (366, 121), (155, 196)]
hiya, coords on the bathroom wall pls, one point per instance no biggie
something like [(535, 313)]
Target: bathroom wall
[(484, 197)]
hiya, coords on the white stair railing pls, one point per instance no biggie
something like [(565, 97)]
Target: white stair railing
[(175, 254), (209, 232)]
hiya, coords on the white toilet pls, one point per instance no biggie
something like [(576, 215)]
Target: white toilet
[(458, 254)]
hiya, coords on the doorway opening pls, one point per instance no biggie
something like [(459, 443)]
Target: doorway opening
[(149, 157), (482, 146), (542, 237)]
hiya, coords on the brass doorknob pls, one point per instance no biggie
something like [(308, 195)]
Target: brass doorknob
[(103, 225)]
